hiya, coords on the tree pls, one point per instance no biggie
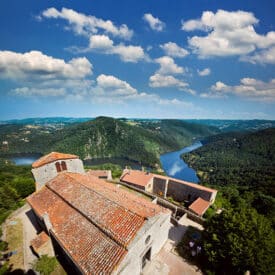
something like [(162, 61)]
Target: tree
[(238, 240), (45, 264)]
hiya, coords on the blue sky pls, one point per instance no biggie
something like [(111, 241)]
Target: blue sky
[(144, 58)]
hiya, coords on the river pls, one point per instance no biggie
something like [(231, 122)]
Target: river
[(171, 162), (175, 167), (24, 159)]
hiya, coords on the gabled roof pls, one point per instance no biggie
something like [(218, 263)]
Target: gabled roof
[(53, 156), (136, 177), (199, 206), (93, 220)]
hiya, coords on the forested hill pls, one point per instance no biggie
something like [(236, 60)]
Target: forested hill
[(237, 159), (141, 141)]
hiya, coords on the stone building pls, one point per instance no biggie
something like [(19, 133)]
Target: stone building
[(199, 197), (97, 227), (49, 166)]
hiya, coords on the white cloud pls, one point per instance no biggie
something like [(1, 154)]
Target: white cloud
[(103, 44), (154, 23), (204, 72), (266, 56), (228, 34), (36, 65), (168, 66), (46, 92), (173, 50), (115, 85), (111, 89), (86, 25), (160, 81), (163, 77), (250, 88)]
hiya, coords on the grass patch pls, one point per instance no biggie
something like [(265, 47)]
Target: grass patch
[(14, 237)]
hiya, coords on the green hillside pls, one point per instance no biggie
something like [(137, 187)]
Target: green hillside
[(104, 137), (242, 167), (239, 159)]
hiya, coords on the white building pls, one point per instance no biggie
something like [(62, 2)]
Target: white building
[(49, 166), (98, 227)]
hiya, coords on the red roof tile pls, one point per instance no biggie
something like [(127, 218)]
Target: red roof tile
[(53, 156), (93, 220), (39, 241), (136, 177), (199, 206)]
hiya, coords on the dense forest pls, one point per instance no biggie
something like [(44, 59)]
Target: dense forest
[(16, 183), (242, 167), (104, 138)]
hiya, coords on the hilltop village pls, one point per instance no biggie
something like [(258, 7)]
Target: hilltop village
[(97, 226)]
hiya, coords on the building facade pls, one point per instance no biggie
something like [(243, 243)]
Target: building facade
[(98, 227)]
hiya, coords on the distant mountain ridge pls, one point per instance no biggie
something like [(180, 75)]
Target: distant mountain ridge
[(225, 125), (104, 137)]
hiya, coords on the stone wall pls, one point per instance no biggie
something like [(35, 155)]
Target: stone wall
[(180, 192), (157, 228), (48, 171), (159, 186)]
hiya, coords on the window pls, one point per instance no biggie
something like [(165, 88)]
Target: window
[(58, 167), (63, 165), (147, 239)]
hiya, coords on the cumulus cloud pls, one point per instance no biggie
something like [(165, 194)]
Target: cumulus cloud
[(127, 53), (173, 50), (266, 56), (164, 78), (249, 88), (168, 66), (109, 88), (228, 34), (159, 80), (86, 25), (204, 72), (35, 64), (154, 23)]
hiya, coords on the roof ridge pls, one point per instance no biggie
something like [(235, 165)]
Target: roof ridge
[(145, 218), (96, 224)]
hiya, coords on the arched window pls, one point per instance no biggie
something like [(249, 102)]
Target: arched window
[(63, 165), (58, 167)]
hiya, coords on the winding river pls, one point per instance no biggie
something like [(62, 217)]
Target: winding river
[(175, 167), (171, 162)]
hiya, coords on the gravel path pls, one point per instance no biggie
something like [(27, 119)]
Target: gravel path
[(29, 232)]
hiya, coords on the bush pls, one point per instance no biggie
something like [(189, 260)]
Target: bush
[(45, 265)]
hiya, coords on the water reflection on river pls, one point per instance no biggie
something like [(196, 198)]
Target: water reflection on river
[(175, 167)]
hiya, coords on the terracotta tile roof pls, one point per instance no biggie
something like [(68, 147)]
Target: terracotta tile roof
[(41, 239), (53, 156), (92, 224), (199, 206), (136, 177), (98, 173)]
